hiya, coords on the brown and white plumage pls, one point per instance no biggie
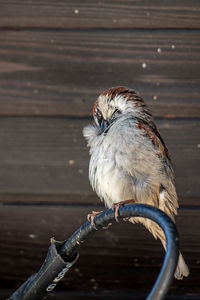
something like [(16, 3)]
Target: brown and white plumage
[(129, 159)]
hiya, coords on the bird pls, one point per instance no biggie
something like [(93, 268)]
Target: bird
[(129, 160)]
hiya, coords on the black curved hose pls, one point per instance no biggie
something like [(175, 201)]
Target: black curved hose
[(60, 258), (165, 277)]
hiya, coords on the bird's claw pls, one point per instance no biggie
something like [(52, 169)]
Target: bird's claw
[(117, 206), (91, 217)]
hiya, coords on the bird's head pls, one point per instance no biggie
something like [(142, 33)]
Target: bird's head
[(111, 105), (116, 102)]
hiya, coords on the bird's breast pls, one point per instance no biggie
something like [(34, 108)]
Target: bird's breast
[(107, 177)]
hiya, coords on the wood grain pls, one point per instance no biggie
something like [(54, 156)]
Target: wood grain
[(111, 259), (62, 73), (100, 14), (46, 160), (71, 295)]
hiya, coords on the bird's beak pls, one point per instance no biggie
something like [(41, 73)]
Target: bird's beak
[(103, 125)]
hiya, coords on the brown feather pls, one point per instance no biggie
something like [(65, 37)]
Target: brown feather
[(156, 139)]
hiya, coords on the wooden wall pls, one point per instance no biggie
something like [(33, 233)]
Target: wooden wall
[(55, 58)]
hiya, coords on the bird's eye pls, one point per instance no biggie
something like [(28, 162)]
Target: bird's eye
[(116, 113)]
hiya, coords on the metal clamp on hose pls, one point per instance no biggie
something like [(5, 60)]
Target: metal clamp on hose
[(62, 256)]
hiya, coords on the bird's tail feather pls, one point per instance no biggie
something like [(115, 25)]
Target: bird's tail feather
[(182, 269)]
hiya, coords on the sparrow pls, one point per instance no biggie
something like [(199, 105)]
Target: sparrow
[(130, 162)]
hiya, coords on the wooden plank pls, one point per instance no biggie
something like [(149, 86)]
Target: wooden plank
[(100, 14), (71, 295), (62, 73), (46, 160), (127, 252)]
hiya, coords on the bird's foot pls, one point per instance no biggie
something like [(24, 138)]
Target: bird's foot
[(117, 206), (91, 217)]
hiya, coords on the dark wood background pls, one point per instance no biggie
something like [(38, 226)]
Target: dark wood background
[(55, 58)]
